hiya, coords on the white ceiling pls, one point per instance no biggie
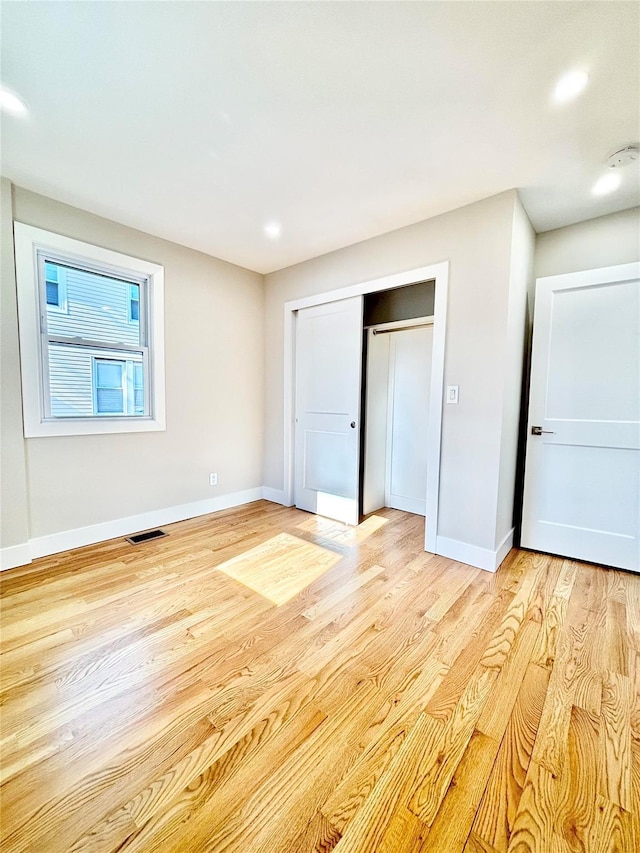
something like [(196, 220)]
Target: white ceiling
[(201, 122)]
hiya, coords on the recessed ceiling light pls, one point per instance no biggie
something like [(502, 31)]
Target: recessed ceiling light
[(272, 230), (10, 101), (606, 184), (570, 85)]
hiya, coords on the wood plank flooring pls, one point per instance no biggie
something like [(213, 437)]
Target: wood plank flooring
[(385, 701)]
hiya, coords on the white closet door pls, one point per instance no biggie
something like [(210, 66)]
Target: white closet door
[(410, 355), (582, 476), (328, 368)]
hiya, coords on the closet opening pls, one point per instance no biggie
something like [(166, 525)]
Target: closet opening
[(396, 389), (355, 434)]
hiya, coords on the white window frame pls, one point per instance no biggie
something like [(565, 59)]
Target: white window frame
[(29, 242)]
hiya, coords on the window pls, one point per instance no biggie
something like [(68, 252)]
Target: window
[(110, 393), (134, 303), (55, 287), (91, 336), (118, 387), (80, 349)]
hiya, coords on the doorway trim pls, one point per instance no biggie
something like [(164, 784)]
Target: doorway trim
[(434, 272)]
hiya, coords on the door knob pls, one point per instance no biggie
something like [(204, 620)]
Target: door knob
[(536, 430), (353, 424)]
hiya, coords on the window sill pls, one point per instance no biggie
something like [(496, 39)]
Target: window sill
[(92, 426)]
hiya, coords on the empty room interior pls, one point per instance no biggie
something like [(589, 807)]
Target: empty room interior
[(320, 513)]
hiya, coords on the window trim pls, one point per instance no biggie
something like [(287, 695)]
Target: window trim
[(30, 244)]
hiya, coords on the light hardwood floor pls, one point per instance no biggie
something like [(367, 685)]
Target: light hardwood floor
[(398, 702)]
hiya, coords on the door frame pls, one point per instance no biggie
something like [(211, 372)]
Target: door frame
[(434, 272)]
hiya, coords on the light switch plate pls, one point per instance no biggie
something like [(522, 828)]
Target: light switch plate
[(452, 393)]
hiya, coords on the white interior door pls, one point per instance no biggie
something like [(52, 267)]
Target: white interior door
[(410, 353), (327, 444), (582, 478)]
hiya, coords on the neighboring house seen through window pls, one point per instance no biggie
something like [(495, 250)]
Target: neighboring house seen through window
[(99, 347), (89, 351)]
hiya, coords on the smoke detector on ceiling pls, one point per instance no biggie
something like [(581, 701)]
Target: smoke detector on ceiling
[(624, 156)]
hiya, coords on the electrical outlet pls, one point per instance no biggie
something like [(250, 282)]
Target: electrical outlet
[(213, 479)]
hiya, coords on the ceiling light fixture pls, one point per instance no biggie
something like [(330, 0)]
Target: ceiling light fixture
[(624, 156), (606, 184), (570, 85), (11, 102), (272, 230)]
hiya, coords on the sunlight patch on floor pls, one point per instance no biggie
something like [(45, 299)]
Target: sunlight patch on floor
[(342, 533), (281, 567)]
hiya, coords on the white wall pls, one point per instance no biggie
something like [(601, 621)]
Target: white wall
[(601, 242), (477, 241), (214, 386)]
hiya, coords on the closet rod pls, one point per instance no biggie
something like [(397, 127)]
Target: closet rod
[(401, 328)]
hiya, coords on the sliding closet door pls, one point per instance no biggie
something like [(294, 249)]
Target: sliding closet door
[(327, 428)]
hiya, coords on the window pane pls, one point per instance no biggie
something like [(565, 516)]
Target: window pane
[(70, 382), (110, 401), (85, 381), (109, 374), (98, 307), (138, 375), (53, 297)]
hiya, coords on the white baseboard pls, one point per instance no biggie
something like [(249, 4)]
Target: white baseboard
[(406, 504), (504, 547), (276, 496), (473, 555), (15, 555), (43, 546)]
